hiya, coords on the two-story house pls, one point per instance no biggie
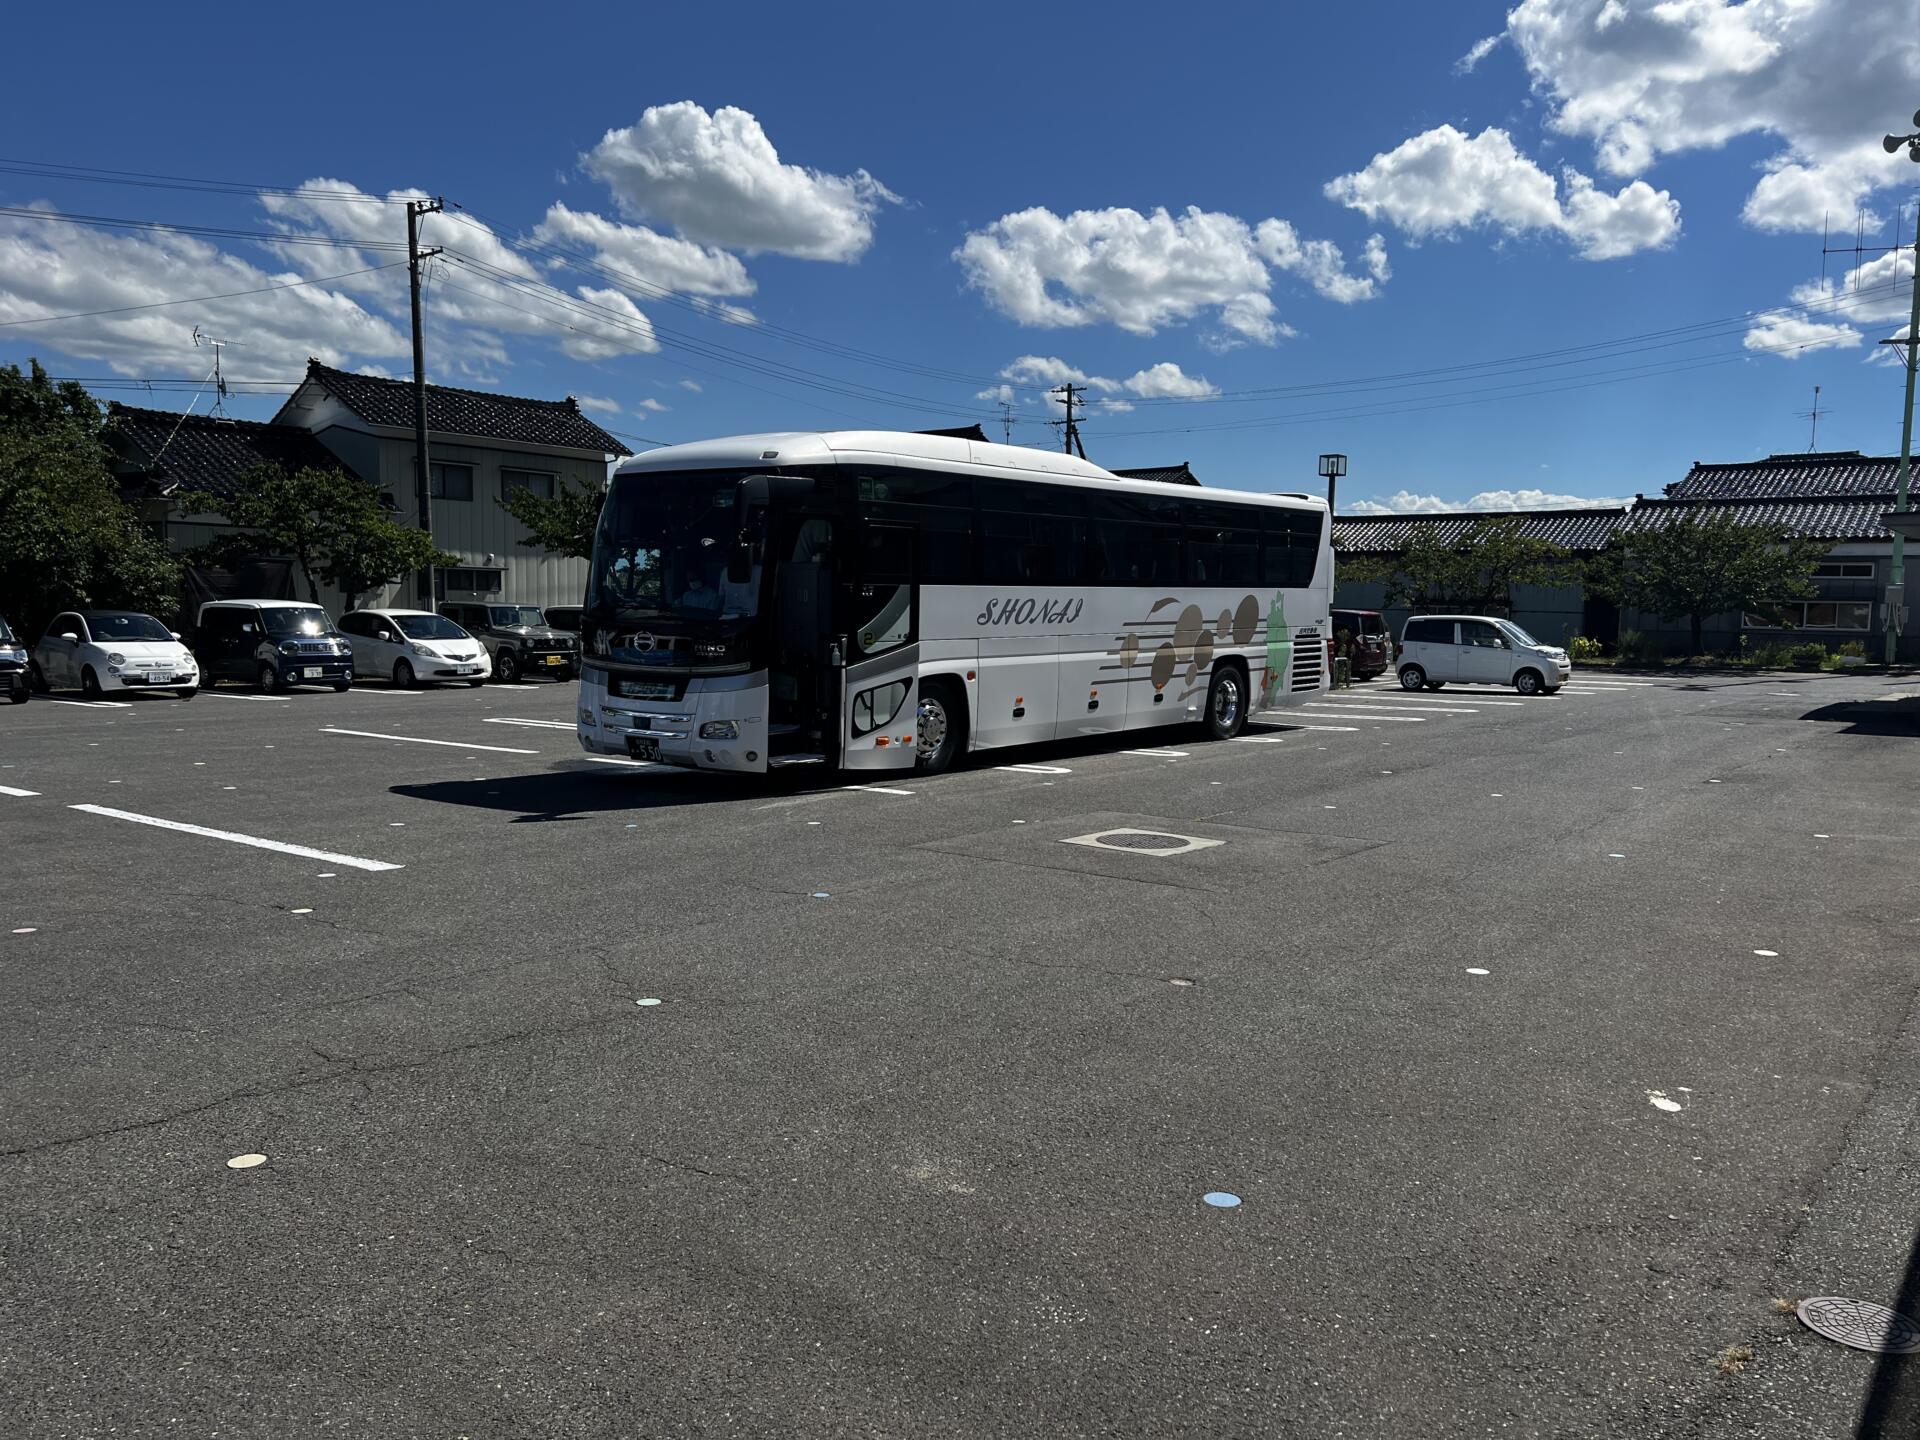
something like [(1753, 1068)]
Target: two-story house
[(481, 446)]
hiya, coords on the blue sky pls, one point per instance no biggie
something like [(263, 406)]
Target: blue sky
[(808, 213)]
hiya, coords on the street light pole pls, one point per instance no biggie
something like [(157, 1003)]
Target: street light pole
[(1897, 569)]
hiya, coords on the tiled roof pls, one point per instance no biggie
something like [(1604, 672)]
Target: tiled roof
[(1816, 519), (1828, 474), (1181, 474), (477, 413), (198, 453), (1389, 534)]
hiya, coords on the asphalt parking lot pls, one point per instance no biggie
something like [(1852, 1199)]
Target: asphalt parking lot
[(1545, 1043)]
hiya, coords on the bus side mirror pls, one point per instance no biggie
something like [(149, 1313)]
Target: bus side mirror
[(740, 562)]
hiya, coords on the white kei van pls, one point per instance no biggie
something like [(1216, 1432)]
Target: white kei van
[(1478, 650)]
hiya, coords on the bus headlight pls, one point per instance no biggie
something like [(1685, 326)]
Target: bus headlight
[(720, 730), (587, 718)]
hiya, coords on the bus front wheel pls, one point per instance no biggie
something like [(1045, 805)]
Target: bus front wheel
[(941, 727)]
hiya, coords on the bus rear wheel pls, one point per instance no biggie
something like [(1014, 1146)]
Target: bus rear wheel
[(1226, 702), (940, 726)]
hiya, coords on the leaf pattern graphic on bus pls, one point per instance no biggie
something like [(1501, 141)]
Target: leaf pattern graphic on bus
[(1191, 646)]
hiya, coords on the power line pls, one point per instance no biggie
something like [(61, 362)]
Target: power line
[(112, 222), (200, 299)]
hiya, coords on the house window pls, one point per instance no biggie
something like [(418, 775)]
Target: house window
[(540, 482), (468, 580), (1816, 615), (450, 481), (1843, 570)]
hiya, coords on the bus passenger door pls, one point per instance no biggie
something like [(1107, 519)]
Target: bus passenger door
[(880, 656)]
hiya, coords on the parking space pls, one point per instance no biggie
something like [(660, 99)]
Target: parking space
[(898, 1094)]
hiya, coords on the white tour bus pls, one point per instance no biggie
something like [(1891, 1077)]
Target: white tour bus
[(886, 601)]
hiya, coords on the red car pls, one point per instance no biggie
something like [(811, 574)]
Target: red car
[(1372, 646)]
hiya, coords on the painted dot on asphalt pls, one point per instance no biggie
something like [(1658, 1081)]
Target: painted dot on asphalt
[(1386, 772), (1216, 782), (229, 787), (634, 826), (1476, 970), (303, 910), (1770, 954), (396, 824), (328, 875), (246, 1162), (1498, 795), (1615, 855), (1179, 980), (1329, 807), (1818, 836), (266, 747), (26, 930), (1221, 1199), (813, 822), (1713, 782), (1639, 787), (821, 895), (650, 1000), (199, 762), (1019, 822)]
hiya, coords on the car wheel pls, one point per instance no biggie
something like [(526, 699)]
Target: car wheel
[(188, 694), (1412, 677), (506, 666), (36, 678), (207, 678), (1436, 684), (1528, 682), (19, 692), (269, 679), (1226, 702), (476, 684), (90, 684), (403, 675), (1551, 690), (342, 686), (941, 726)]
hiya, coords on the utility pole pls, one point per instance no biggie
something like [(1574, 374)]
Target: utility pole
[(1070, 439), (423, 472), (1896, 571), (1006, 420)]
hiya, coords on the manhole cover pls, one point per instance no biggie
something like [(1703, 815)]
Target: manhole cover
[(1157, 843), (1143, 840), (1861, 1324)]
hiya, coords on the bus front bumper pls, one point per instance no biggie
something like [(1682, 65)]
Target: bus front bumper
[(720, 723)]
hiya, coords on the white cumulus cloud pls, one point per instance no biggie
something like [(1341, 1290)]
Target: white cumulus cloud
[(1645, 78), (1476, 53), (663, 260), (599, 404), (718, 181), (1443, 182), (1141, 272), (1165, 380), (50, 268), (1406, 502)]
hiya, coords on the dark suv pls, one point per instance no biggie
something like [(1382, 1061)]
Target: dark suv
[(14, 676), (1370, 652), (518, 638)]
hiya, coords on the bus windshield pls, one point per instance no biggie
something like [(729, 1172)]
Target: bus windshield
[(662, 549)]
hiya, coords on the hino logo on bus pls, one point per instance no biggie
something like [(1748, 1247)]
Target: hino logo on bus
[(1025, 612)]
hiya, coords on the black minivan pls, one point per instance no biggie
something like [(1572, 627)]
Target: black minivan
[(274, 644)]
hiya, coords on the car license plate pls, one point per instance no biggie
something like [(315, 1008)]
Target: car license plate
[(556, 660), (467, 670), (313, 672), (640, 747), (159, 679)]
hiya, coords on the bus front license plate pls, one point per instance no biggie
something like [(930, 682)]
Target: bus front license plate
[(639, 747)]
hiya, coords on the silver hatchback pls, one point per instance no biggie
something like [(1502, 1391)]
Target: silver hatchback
[(1478, 650)]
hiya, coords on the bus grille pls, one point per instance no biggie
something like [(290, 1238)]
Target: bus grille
[(1307, 664)]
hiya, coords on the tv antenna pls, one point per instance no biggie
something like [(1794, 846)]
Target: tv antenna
[(1813, 434), (200, 337)]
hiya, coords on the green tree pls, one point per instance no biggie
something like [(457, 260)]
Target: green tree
[(1698, 563), (66, 536), (1476, 569), (562, 525), (328, 522)]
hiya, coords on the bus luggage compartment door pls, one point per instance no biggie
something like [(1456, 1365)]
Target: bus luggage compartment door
[(879, 706)]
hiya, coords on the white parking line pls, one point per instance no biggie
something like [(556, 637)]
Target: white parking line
[(422, 740), (390, 691), (1158, 754), (228, 695), (98, 704), (1036, 769), (255, 841), (617, 760), (1260, 739), (1380, 719), (535, 724), (1425, 708), (12, 790), (1586, 684), (1344, 729), (1409, 698), (875, 790)]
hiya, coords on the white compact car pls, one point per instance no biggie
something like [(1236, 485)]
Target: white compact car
[(412, 646), (1478, 650), (95, 651)]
